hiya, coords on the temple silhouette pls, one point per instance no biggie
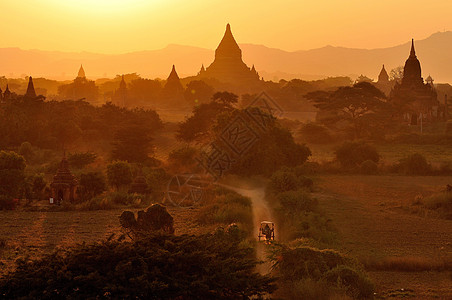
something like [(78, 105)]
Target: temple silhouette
[(417, 99), (228, 66)]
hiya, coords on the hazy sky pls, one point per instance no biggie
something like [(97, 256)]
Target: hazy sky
[(118, 26)]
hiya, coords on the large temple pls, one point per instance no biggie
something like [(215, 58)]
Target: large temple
[(418, 100), (228, 66)]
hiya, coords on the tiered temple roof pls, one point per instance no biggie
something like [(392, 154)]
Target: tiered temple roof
[(228, 66)]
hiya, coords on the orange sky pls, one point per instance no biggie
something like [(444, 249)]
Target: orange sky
[(119, 26)]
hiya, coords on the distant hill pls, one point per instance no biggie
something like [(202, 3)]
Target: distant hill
[(434, 53)]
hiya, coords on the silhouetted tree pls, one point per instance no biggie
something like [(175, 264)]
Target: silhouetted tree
[(226, 98), (12, 166), (396, 74), (81, 159), (132, 143), (198, 92), (358, 105), (119, 174), (91, 184)]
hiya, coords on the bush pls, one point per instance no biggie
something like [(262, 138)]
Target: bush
[(123, 198), (352, 154), (315, 134), (296, 201), (213, 266), (357, 284), (155, 218), (368, 167), (288, 180), (414, 164), (96, 203), (226, 208), (441, 203), (308, 270)]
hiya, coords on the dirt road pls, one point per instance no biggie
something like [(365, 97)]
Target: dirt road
[(261, 212)]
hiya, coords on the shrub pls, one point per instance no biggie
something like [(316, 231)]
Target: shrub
[(154, 218), (352, 154), (441, 202), (296, 201), (414, 164), (315, 134), (123, 198), (308, 270), (226, 208), (96, 203), (287, 179), (357, 284), (368, 167)]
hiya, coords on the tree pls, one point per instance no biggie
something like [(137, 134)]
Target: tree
[(12, 166), (119, 174), (91, 184), (198, 126), (358, 106), (81, 159), (132, 144), (198, 92), (352, 154), (33, 187), (225, 98), (396, 74)]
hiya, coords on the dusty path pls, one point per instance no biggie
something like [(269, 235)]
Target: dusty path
[(261, 212)]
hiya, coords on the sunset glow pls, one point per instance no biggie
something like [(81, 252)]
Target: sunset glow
[(118, 26)]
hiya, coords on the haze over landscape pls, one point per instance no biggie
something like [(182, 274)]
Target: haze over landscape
[(191, 149), (273, 64), (147, 37)]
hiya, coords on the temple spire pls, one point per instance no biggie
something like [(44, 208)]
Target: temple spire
[(30, 89), (383, 77), (81, 72), (413, 52), (173, 75), (122, 84), (228, 47)]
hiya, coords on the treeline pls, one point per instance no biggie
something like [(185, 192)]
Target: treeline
[(61, 124)]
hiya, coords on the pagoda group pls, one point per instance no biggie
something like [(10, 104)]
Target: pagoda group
[(415, 99)]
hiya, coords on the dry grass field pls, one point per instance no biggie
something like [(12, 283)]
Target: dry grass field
[(407, 255), (32, 234)]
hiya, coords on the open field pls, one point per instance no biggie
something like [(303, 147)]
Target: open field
[(35, 233), (372, 224), (390, 153)]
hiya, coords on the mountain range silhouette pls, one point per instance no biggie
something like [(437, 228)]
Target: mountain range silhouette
[(434, 53)]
